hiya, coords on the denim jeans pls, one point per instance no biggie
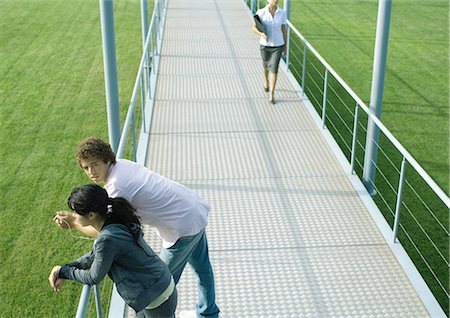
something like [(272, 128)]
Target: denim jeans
[(194, 250)]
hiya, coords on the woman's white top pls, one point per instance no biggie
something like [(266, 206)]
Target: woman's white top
[(272, 25), (171, 208)]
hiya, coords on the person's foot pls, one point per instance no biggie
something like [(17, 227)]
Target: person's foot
[(266, 85), (188, 314), (272, 99)]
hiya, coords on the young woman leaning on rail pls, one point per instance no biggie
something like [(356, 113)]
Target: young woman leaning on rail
[(142, 279)]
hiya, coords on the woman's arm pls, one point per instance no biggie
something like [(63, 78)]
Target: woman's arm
[(67, 220), (102, 258), (283, 30), (84, 262), (255, 30)]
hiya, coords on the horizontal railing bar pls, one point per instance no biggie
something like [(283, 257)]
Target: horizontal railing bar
[(130, 111), (433, 185)]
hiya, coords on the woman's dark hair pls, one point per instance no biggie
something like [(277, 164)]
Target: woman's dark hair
[(93, 198)]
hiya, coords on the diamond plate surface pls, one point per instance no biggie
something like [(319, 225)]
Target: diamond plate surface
[(285, 213), (246, 155), (206, 34), (228, 115), (196, 48), (318, 282), (288, 235), (181, 66), (219, 87)]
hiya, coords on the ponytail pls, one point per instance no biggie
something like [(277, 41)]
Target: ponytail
[(121, 211)]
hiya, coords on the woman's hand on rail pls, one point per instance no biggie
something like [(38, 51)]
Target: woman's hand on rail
[(55, 282)]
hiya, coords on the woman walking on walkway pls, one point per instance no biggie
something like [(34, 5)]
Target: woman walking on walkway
[(272, 43), (142, 278)]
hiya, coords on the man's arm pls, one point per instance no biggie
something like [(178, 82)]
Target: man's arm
[(67, 220)]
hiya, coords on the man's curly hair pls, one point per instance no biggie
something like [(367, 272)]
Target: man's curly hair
[(94, 147)]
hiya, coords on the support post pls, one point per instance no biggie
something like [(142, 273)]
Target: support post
[(110, 68), (399, 200), (324, 101), (84, 299), (376, 95), (144, 20), (354, 139), (98, 301), (287, 8), (145, 79), (304, 68)]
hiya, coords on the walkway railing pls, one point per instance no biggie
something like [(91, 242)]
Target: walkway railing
[(415, 207), (137, 123), (144, 88)]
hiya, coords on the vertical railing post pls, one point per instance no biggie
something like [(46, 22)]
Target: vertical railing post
[(110, 68), (287, 8), (161, 11), (154, 48), (145, 78), (354, 139), (144, 20), (253, 6), (304, 68), (98, 301), (84, 300), (143, 101), (288, 40), (399, 200), (324, 102), (133, 137)]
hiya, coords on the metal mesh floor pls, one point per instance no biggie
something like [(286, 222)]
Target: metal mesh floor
[(288, 234)]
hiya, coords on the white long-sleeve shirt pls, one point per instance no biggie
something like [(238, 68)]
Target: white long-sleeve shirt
[(273, 26), (171, 208)]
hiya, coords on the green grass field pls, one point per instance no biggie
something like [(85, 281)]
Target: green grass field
[(53, 95), (52, 89), (416, 95)]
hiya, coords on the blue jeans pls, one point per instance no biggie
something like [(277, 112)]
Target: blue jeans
[(194, 250)]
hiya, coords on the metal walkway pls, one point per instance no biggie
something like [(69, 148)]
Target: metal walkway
[(289, 235)]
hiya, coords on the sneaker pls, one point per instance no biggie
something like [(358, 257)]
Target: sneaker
[(188, 314)]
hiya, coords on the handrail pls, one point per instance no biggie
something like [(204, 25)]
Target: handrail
[(435, 279), (84, 299), (130, 112), (159, 7), (431, 183)]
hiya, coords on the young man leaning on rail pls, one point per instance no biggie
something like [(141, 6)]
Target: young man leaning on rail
[(177, 213)]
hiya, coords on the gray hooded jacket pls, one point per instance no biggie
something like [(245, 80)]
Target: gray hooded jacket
[(139, 273)]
